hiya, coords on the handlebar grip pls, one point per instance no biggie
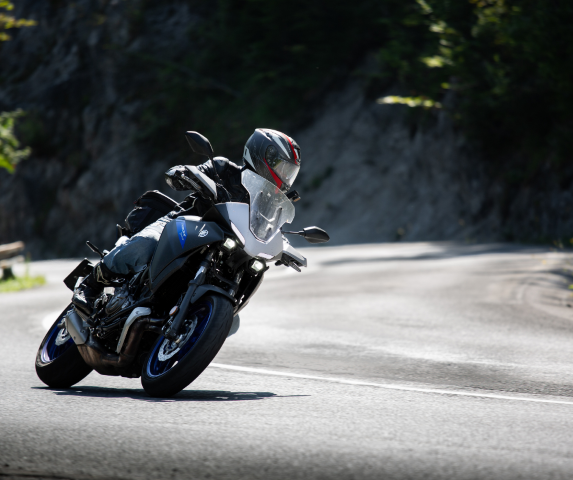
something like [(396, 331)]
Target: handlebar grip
[(182, 176), (194, 184)]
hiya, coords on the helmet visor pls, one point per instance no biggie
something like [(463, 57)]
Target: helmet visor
[(285, 170)]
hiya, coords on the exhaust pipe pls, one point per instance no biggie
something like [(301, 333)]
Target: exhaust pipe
[(105, 362), (76, 327)]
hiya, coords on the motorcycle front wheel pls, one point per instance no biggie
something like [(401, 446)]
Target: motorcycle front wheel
[(58, 362), (170, 367)]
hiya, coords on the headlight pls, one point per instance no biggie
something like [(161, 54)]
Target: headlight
[(256, 266), (229, 244)]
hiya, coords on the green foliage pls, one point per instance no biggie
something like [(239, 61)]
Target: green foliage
[(10, 153), (510, 63), (12, 283), (507, 63), (7, 21), (21, 283), (410, 101)]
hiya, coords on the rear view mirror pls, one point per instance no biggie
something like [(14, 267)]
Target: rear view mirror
[(315, 235), (199, 144), (312, 235)]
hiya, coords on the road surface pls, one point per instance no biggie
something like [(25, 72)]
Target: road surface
[(395, 361)]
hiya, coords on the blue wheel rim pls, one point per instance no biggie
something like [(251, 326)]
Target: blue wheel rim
[(156, 367), (53, 348)]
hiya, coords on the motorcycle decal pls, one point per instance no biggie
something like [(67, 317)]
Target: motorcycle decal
[(203, 233), (181, 231)]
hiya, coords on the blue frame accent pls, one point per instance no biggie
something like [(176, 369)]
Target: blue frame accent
[(51, 351), (155, 367), (181, 231)]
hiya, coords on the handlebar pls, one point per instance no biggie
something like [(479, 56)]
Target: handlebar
[(196, 186)]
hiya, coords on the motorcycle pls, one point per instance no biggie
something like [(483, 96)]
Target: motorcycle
[(167, 323)]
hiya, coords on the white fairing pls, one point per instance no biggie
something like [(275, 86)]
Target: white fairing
[(292, 252), (258, 225), (273, 250), (239, 215)]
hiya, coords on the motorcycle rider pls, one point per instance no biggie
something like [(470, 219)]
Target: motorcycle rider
[(268, 153)]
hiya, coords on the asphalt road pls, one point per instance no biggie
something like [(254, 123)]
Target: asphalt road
[(400, 361)]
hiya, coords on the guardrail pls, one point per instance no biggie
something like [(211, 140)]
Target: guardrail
[(9, 255)]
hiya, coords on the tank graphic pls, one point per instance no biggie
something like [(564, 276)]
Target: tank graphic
[(180, 238), (181, 231)]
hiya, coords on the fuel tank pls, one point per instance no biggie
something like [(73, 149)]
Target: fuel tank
[(179, 238)]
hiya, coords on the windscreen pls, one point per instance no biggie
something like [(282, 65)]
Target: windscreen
[(270, 209)]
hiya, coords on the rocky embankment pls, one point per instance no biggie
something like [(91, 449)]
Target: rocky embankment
[(370, 173), (373, 173)]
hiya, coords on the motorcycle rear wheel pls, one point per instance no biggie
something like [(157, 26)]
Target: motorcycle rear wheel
[(58, 362), (170, 368)]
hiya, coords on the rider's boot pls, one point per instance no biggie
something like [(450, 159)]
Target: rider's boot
[(91, 287)]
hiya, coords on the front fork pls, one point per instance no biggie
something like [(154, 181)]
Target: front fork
[(171, 332)]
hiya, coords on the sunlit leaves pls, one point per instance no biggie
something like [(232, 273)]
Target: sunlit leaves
[(409, 101), (8, 21), (436, 61), (510, 63), (10, 151), (426, 9)]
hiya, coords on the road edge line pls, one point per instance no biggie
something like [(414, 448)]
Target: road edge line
[(388, 386)]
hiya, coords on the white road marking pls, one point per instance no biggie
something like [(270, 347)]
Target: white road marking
[(389, 386)]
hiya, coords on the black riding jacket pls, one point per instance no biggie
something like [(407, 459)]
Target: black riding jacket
[(223, 172)]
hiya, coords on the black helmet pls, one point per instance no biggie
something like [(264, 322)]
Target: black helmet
[(274, 156)]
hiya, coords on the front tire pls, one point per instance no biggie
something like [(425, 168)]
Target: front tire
[(169, 368), (58, 362)]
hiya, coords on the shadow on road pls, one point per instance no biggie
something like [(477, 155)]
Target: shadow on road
[(185, 395)]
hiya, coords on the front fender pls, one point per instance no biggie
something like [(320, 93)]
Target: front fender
[(203, 289)]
